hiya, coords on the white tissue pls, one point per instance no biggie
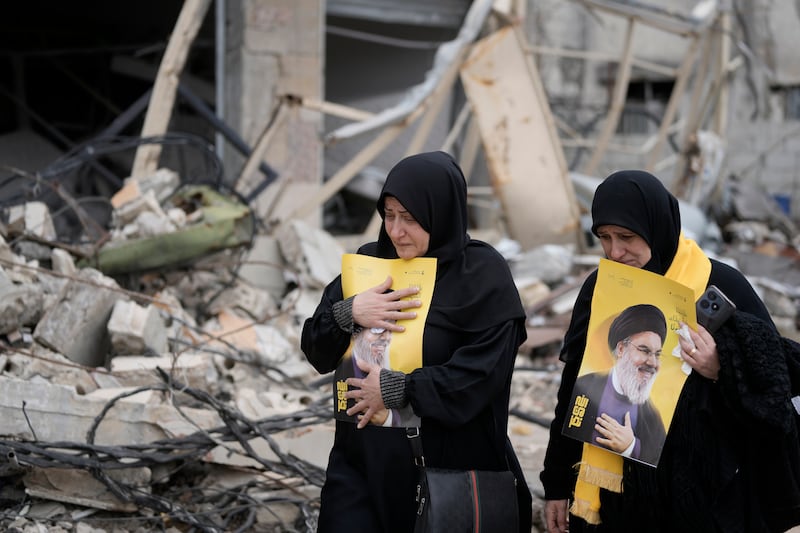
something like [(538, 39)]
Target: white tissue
[(683, 331)]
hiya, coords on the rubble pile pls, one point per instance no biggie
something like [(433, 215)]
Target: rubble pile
[(149, 385), (156, 381)]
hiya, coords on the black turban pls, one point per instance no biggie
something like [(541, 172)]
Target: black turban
[(636, 319)]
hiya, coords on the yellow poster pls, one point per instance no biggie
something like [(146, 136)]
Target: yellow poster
[(395, 350), (632, 373)]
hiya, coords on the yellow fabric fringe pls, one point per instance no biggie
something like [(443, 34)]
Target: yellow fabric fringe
[(585, 510), (600, 468)]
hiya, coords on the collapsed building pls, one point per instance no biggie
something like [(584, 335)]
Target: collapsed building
[(154, 289)]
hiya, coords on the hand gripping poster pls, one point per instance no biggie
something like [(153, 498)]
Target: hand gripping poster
[(394, 350), (631, 374)]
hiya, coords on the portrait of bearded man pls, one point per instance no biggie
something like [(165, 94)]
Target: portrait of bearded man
[(620, 415)]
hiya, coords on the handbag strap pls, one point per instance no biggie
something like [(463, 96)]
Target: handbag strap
[(416, 445), (415, 440)]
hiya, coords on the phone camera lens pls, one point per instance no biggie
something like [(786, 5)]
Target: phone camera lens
[(712, 296), (704, 304)]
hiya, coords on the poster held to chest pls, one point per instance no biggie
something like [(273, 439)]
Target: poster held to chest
[(393, 350), (631, 374)]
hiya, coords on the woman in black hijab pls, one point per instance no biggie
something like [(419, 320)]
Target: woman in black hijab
[(733, 425), (473, 330)]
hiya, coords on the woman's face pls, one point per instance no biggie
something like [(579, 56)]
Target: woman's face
[(624, 246), (408, 237)]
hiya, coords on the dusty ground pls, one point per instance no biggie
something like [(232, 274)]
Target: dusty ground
[(533, 397)]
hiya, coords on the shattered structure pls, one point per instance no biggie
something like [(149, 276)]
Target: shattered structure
[(149, 337)]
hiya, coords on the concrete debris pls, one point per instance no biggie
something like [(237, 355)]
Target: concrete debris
[(69, 485), (313, 252), (32, 218), (76, 325), (194, 381), (198, 370), (264, 266), (20, 304), (200, 221), (136, 329)]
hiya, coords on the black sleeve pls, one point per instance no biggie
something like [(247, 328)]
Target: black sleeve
[(559, 473), (455, 392), (736, 287), (323, 341)]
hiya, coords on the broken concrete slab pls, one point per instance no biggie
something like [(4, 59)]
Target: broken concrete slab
[(526, 162), (314, 252), (20, 305), (32, 219), (197, 370), (163, 182), (43, 411), (76, 325), (549, 263), (263, 342), (264, 265), (62, 262), (131, 219), (310, 443), (71, 485), (38, 363), (136, 329), (255, 302), (16, 267)]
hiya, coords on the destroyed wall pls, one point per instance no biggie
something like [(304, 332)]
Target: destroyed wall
[(192, 361), (579, 87), (184, 381), (370, 66), (765, 125), (274, 49), (761, 139)]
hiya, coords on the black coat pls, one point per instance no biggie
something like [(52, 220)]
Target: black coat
[(462, 399), (708, 479), (473, 329)]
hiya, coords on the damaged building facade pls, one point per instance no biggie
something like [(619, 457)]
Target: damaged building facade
[(182, 179)]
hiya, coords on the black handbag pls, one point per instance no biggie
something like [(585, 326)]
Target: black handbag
[(461, 501)]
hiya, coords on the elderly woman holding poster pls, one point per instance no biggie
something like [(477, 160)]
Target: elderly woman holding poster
[(472, 331), (730, 459)]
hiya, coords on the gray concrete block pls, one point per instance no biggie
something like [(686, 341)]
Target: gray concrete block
[(20, 305), (76, 325), (135, 329)]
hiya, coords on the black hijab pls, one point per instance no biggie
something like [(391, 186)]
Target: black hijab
[(638, 201), (474, 287)]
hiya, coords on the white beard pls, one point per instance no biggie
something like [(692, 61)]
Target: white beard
[(631, 384), (363, 351)]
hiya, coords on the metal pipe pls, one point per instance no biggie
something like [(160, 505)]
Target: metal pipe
[(219, 68)]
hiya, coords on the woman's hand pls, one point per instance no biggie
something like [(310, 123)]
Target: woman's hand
[(615, 436), (701, 352), (379, 418), (376, 308), (369, 402), (556, 516)]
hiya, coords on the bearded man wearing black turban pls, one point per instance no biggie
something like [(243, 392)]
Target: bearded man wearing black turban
[(628, 421)]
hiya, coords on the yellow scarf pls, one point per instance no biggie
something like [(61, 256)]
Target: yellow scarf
[(600, 468)]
